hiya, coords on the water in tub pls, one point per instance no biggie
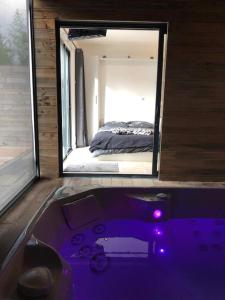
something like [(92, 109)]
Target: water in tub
[(177, 259)]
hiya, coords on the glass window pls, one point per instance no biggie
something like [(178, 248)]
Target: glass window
[(65, 96), (17, 149)]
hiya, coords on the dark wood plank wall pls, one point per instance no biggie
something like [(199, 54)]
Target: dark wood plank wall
[(193, 143)]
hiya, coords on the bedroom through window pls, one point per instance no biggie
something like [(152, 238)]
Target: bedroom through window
[(110, 98)]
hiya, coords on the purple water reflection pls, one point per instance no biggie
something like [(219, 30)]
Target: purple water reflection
[(130, 260), (157, 231)]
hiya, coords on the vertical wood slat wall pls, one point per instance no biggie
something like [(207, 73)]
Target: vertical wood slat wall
[(193, 143)]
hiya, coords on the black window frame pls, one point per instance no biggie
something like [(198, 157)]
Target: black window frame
[(162, 27)]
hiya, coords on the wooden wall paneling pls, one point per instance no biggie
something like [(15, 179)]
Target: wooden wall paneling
[(192, 144)]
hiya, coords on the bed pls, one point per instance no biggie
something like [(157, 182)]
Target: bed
[(123, 137)]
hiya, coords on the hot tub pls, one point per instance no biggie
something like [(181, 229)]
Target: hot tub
[(121, 244)]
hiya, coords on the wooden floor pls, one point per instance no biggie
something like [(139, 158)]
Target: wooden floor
[(13, 222)]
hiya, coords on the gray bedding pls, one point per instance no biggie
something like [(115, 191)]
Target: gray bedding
[(123, 137)]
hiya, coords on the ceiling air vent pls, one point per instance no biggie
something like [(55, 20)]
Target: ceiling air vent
[(80, 34)]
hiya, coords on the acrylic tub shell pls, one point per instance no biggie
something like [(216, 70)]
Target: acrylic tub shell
[(70, 209)]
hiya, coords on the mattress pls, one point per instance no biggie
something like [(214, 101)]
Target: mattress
[(134, 157), (121, 137)]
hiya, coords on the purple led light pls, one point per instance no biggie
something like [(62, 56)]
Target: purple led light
[(162, 251), (157, 214)]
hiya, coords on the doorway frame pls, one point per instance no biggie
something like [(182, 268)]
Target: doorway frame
[(162, 27), (69, 94)]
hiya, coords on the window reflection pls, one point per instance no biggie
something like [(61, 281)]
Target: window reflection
[(17, 161)]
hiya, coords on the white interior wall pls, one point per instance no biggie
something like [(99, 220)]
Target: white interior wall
[(91, 64), (128, 90), (127, 87), (70, 46)]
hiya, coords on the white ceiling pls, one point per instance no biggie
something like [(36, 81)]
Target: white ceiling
[(122, 43), (124, 36)]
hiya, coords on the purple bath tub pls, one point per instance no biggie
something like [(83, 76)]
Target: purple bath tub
[(121, 244)]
